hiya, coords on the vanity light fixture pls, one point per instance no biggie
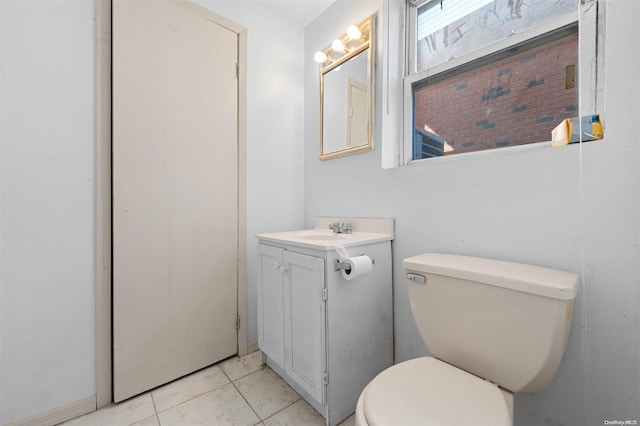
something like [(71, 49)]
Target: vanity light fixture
[(320, 57), (354, 40), (338, 46), (354, 32)]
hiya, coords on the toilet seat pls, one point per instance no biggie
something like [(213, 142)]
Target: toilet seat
[(427, 391)]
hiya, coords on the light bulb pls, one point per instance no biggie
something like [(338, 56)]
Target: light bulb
[(354, 32), (320, 57), (337, 45)]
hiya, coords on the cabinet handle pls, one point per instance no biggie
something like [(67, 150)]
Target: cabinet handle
[(279, 267)]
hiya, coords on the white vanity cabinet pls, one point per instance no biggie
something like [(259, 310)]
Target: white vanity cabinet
[(291, 312), (324, 335)]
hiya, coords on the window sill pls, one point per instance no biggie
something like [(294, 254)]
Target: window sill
[(480, 154)]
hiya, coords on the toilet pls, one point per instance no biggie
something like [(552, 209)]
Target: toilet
[(493, 328)]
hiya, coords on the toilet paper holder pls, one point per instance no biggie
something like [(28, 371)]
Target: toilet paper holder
[(339, 266)]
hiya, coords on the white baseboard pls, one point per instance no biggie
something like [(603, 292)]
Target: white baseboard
[(60, 414)]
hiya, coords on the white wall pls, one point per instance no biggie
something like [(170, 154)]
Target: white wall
[(47, 315), (275, 146), (558, 207)]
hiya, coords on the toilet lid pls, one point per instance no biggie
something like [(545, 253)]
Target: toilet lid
[(426, 391)]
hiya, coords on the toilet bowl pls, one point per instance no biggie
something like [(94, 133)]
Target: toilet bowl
[(427, 391), (493, 328)]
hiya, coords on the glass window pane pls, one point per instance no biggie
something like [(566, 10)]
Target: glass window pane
[(512, 101), (451, 28)]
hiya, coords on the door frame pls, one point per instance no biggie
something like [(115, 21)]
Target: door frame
[(103, 216)]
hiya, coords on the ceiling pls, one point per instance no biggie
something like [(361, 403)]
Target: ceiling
[(299, 11)]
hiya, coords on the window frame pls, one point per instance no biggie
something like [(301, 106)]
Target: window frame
[(590, 28)]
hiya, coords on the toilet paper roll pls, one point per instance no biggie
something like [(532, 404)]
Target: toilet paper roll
[(359, 266)]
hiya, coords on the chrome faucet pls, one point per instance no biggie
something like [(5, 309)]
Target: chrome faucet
[(340, 228)]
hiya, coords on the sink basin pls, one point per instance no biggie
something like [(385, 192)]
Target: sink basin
[(366, 231), (325, 237)]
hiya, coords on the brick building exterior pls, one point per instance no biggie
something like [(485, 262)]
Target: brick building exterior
[(515, 101)]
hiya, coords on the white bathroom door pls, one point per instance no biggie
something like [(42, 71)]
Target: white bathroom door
[(175, 193)]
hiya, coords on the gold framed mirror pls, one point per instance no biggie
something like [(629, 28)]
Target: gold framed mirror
[(346, 92)]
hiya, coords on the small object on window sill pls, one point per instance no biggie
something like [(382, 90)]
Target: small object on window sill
[(568, 131)]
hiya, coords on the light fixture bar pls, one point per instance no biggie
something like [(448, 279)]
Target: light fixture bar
[(354, 39)]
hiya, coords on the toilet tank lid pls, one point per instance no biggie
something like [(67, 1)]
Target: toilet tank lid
[(515, 276)]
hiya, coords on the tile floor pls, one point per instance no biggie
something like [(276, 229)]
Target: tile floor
[(238, 391)]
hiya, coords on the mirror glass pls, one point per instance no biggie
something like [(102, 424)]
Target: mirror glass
[(346, 93)]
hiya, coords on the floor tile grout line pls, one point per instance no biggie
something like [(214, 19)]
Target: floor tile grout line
[(273, 414), (284, 408), (219, 365), (153, 401), (241, 377), (248, 374), (245, 400), (260, 367), (155, 409), (137, 420), (192, 397), (225, 373)]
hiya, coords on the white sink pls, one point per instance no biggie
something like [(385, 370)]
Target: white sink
[(322, 235), (366, 231)]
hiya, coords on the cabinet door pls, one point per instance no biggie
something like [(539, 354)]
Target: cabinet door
[(270, 302), (305, 323)]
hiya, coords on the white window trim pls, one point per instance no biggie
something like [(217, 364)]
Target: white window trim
[(591, 71)]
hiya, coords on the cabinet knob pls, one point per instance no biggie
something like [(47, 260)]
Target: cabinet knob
[(279, 267)]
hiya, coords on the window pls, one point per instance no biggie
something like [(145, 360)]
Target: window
[(485, 74)]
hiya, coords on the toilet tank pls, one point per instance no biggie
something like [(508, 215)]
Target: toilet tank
[(506, 322)]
